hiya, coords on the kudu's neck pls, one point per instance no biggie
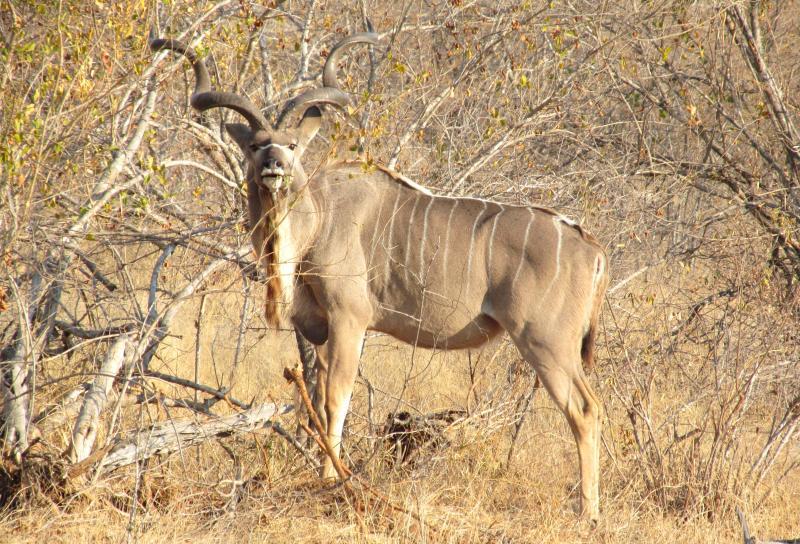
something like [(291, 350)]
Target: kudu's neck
[(284, 224), (293, 212)]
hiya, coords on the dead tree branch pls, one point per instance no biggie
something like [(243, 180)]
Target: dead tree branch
[(171, 436)]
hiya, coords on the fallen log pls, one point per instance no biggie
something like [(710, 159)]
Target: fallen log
[(171, 436)]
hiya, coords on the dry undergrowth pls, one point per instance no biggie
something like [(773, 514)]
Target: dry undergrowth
[(256, 487)]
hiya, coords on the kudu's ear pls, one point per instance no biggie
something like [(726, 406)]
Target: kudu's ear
[(241, 134), (309, 125)]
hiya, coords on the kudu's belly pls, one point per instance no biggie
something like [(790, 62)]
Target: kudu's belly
[(440, 332)]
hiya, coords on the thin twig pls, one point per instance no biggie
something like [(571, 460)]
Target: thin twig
[(221, 394), (295, 376)]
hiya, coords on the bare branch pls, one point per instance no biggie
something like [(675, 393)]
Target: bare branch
[(221, 394), (85, 431)]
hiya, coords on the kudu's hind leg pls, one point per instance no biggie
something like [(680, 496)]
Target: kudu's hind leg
[(341, 353), (565, 381)]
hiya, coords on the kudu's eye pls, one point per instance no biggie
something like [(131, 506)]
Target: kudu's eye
[(292, 147), (253, 148)]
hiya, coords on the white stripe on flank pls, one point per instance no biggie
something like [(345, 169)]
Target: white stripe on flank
[(558, 250), (524, 251), (491, 240), (375, 237), (471, 243), (598, 272), (391, 228), (424, 236), (406, 245), (557, 224), (599, 267), (447, 236)]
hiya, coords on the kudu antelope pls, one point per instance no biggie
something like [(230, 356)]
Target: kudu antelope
[(353, 248)]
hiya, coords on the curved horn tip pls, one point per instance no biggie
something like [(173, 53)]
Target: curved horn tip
[(329, 70), (157, 44), (371, 37), (313, 97)]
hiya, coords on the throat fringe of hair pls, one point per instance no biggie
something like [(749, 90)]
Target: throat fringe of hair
[(274, 300)]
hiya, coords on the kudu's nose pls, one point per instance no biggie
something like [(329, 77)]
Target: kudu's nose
[(274, 164)]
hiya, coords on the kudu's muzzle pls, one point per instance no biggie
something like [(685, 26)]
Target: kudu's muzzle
[(275, 170)]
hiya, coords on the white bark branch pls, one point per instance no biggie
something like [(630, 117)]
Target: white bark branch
[(85, 431), (772, 92), (104, 188), (420, 122), (266, 73), (305, 50), (171, 436), (14, 385)]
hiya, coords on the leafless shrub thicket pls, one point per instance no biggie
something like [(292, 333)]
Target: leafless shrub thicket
[(667, 128)]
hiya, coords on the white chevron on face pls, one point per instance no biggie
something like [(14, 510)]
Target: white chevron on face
[(279, 146)]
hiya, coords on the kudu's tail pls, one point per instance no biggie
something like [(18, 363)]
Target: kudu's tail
[(587, 347)]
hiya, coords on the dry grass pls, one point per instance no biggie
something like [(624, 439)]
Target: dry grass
[(464, 492)]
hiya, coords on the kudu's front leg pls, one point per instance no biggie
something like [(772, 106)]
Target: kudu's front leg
[(340, 357), (308, 358)]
